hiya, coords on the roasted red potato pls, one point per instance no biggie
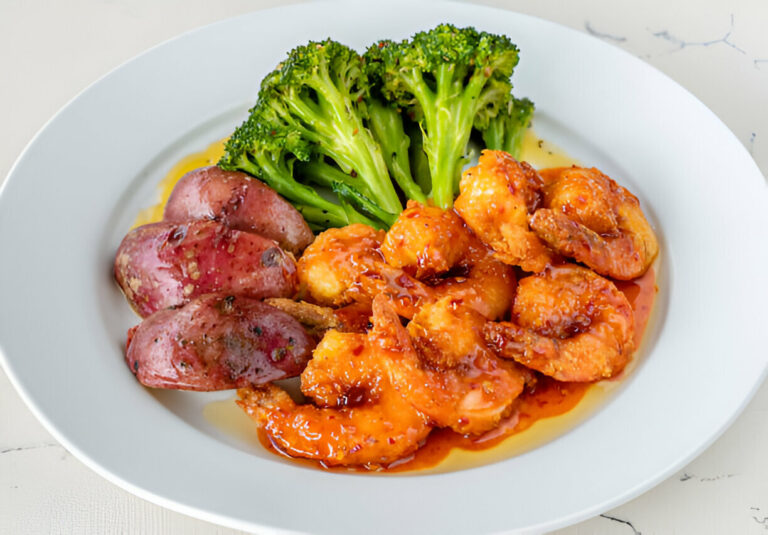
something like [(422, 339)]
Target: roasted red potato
[(240, 202), (161, 265), (217, 342)]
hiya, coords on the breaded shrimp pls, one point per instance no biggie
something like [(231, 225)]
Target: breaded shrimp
[(443, 368), (488, 286), (436, 246), (425, 240), (372, 434), (497, 195), (361, 419), (588, 217), (346, 265), (330, 267), (343, 371), (568, 323)]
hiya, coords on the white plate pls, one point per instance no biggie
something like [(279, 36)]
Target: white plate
[(75, 190)]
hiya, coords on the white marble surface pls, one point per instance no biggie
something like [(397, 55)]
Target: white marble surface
[(49, 51)]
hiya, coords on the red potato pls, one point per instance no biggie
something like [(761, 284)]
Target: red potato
[(161, 265), (217, 342), (240, 202)]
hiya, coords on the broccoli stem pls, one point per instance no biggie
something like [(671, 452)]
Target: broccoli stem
[(418, 158), (339, 133), (386, 125), (280, 180), (449, 123), (493, 136), (321, 218), (326, 175), (362, 203), (507, 130)]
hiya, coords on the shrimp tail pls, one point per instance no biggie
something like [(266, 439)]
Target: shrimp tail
[(618, 257)]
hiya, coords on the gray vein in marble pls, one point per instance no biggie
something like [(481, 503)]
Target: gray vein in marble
[(686, 476), (601, 35), (751, 147), (30, 447), (758, 61), (627, 522), (762, 521), (682, 43)]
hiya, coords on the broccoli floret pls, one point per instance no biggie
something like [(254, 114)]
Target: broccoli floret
[(506, 130), (318, 91), (331, 123), (270, 153), (449, 79), (310, 111)]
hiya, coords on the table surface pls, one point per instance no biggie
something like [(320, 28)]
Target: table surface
[(718, 50)]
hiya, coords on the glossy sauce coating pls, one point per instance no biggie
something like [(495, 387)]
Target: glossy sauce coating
[(569, 323), (587, 216), (352, 264), (425, 241), (546, 398), (497, 196), (357, 418)]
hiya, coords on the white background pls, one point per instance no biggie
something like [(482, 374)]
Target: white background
[(49, 51)]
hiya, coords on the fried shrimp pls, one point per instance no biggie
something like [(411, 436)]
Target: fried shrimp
[(342, 372), (345, 265), (425, 240), (488, 286), (352, 262), (588, 217), (330, 267), (361, 419), (442, 366), (372, 434), (435, 245), (569, 323), (497, 196)]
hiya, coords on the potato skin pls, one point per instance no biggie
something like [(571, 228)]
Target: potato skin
[(240, 202), (161, 265), (217, 342)]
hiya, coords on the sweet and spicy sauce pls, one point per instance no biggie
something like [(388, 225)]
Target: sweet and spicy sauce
[(544, 411)]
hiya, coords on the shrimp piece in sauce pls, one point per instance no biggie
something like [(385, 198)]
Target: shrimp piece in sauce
[(442, 366), (570, 324), (588, 217), (330, 267), (436, 245), (345, 265), (364, 420), (425, 241), (488, 286), (497, 195)]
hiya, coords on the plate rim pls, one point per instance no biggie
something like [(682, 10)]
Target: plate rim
[(51, 427)]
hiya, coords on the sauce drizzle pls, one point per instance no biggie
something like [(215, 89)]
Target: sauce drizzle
[(545, 411)]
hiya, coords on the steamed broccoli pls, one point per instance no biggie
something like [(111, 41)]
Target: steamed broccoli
[(314, 101), (345, 137), (270, 153), (506, 130), (386, 124), (449, 79)]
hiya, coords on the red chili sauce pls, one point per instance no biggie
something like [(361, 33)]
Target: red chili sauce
[(546, 399)]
